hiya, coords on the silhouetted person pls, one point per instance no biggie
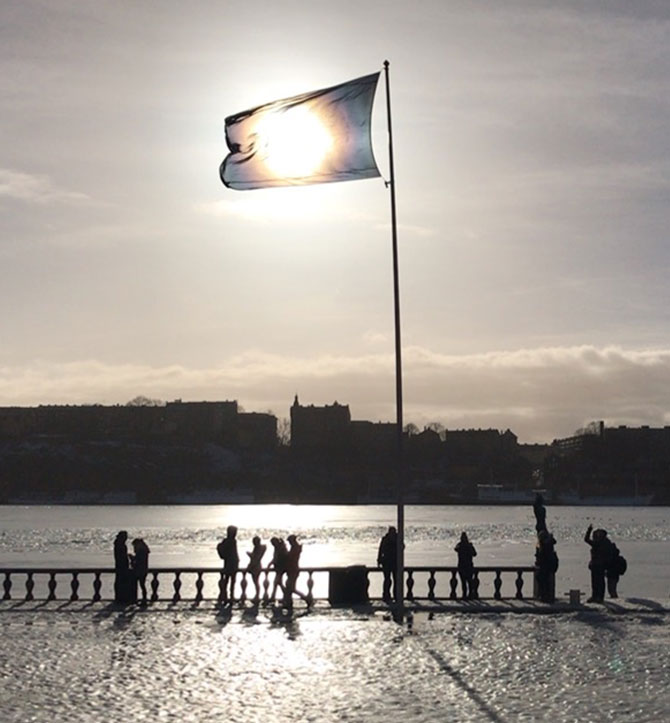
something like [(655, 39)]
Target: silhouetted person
[(279, 558), (540, 513), (387, 559), (255, 564), (292, 571), (466, 568), (601, 554), (546, 565), (140, 564), (124, 580), (227, 550)]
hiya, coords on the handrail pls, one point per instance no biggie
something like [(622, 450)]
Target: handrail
[(244, 581)]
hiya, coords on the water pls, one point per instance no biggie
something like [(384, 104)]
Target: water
[(186, 536), (86, 663)]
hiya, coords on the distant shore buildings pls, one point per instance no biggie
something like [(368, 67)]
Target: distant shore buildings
[(164, 451)]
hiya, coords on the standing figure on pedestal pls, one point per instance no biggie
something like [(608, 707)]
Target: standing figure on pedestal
[(540, 513)]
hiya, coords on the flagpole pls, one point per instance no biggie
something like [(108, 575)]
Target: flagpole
[(400, 458)]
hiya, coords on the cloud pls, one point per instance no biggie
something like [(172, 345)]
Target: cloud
[(35, 188), (539, 393)]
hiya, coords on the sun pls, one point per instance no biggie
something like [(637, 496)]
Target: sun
[(293, 143)]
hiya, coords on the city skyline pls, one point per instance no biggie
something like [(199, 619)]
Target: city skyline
[(532, 179)]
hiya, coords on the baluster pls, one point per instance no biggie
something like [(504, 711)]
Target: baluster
[(30, 584), (198, 587), (52, 586), (74, 586), (7, 584), (310, 587), (431, 585), (154, 586), (222, 590), (497, 584), (243, 587), (177, 586), (475, 585), (410, 585), (519, 585), (453, 583), (266, 587), (97, 585)]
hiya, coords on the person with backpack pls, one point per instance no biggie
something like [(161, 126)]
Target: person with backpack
[(616, 566), (602, 560)]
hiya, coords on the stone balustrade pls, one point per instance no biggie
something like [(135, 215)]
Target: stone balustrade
[(197, 584)]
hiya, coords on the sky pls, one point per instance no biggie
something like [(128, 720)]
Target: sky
[(532, 172)]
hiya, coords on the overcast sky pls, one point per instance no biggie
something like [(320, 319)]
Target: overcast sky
[(532, 144)]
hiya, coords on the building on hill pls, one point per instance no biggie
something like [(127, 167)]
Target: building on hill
[(184, 421), (472, 444), (325, 429), (256, 431), (376, 440), (619, 461)]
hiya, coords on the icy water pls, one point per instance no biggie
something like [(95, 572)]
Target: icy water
[(186, 536), (90, 662)]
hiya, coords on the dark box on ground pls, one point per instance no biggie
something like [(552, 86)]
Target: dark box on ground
[(348, 586)]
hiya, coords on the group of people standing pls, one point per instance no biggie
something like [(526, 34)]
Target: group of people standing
[(607, 563), (130, 569), (285, 563)]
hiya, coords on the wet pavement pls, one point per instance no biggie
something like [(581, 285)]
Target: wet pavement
[(496, 662)]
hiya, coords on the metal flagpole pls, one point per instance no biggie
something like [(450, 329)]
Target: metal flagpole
[(400, 460)]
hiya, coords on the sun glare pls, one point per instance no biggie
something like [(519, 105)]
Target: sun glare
[(294, 143)]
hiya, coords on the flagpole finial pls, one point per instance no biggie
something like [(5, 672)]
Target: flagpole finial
[(386, 63)]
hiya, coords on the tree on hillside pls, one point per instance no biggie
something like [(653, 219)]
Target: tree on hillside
[(284, 432), (142, 401)]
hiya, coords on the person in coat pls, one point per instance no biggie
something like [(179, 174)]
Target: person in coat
[(387, 559), (139, 562), (227, 550), (466, 553)]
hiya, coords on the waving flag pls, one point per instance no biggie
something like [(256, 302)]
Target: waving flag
[(317, 137)]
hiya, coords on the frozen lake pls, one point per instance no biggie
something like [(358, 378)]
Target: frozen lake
[(186, 536)]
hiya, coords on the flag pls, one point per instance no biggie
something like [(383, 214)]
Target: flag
[(317, 137)]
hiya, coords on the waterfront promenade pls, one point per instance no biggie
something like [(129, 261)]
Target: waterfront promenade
[(90, 662)]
